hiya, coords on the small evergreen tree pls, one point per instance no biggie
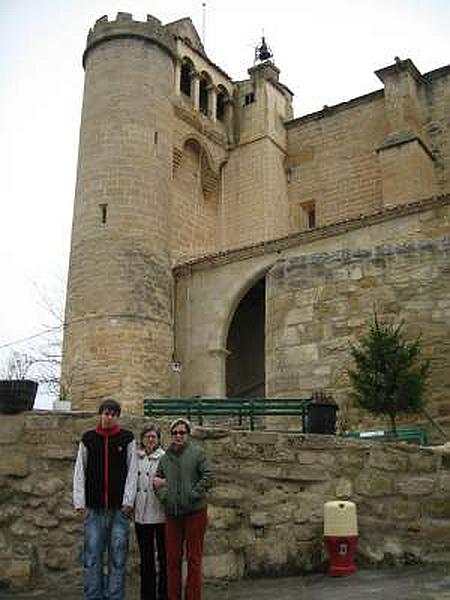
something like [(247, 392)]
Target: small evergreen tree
[(388, 376)]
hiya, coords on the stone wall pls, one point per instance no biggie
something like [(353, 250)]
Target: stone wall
[(209, 292), (317, 305), (386, 148), (265, 509), (334, 163)]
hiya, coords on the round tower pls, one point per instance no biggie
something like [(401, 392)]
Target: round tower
[(118, 330)]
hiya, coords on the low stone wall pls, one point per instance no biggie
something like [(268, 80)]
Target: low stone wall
[(266, 508)]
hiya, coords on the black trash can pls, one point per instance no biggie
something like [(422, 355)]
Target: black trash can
[(321, 418)]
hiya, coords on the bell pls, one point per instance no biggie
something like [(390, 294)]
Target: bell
[(263, 51)]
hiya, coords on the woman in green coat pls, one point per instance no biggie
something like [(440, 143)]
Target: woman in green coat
[(182, 480)]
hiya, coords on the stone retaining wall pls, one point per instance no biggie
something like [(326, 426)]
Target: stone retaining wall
[(265, 509)]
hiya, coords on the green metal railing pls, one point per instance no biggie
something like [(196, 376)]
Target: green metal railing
[(241, 408), (249, 409), (406, 434)]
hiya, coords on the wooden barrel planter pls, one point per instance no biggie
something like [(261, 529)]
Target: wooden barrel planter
[(17, 395)]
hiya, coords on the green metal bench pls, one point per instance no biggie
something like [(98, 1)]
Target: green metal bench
[(241, 408), (405, 434)]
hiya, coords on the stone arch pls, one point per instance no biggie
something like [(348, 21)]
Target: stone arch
[(209, 172), (237, 294), (243, 337), (194, 204)]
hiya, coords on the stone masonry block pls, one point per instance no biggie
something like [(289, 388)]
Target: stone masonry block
[(415, 486), (11, 428), (13, 462)]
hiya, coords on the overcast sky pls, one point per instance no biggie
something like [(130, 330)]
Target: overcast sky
[(327, 51)]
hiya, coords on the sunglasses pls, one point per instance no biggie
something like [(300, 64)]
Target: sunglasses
[(178, 432)]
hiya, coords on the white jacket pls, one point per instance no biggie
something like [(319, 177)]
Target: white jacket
[(147, 508)]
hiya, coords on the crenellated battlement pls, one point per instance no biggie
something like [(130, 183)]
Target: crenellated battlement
[(124, 26)]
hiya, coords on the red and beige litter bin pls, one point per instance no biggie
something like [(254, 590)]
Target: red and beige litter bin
[(341, 536)]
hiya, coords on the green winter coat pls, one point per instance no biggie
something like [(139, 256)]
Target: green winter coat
[(188, 476)]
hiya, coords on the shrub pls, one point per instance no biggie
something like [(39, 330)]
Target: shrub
[(389, 376)]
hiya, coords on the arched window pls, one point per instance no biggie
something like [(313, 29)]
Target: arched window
[(221, 101), (192, 148), (204, 93), (186, 77)]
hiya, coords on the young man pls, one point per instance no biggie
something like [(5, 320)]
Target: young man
[(183, 478), (104, 489)]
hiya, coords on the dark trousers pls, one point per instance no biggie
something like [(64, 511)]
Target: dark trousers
[(191, 529), (147, 535)]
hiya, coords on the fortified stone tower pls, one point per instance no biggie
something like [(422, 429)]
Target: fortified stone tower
[(118, 338)]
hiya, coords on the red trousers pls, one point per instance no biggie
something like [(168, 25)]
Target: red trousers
[(190, 529)]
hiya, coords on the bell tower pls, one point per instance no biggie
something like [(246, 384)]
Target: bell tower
[(256, 183)]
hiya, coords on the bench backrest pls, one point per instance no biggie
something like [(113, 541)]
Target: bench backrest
[(233, 407)]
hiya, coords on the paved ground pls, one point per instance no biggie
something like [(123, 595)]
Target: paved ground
[(412, 583), (405, 584)]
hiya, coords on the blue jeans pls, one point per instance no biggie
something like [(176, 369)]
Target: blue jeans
[(105, 530)]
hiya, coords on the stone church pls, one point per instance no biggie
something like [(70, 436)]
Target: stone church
[(222, 247)]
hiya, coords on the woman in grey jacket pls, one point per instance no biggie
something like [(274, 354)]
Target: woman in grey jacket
[(149, 517)]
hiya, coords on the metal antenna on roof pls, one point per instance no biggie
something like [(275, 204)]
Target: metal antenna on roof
[(204, 23)]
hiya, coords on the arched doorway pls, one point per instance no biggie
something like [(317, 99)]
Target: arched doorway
[(245, 368)]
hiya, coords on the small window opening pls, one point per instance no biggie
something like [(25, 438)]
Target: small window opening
[(249, 98), (103, 213), (203, 96), (311, 218), (220, 109), (308, 217), (155, 138), (186, 78)]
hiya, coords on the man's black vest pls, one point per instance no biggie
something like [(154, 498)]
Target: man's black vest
[(104, 489)]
